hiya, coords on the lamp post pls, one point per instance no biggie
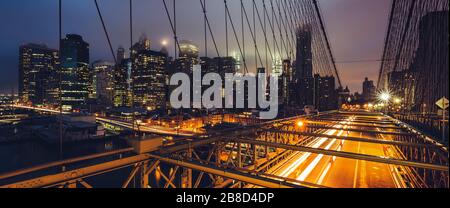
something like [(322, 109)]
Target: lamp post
[(385, 97)]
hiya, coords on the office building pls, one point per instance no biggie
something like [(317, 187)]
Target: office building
[(75, 79)]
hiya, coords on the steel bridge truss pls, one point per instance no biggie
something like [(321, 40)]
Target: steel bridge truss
[(239, 158)]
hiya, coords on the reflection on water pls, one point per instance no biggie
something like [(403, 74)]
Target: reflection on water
[(31, 152)]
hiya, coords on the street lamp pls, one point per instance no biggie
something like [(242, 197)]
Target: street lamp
[(385, 96), (300, 124)]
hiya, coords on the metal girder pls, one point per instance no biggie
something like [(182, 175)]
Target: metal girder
[(187, 145), (237, 175), (60, 178), (362, 131), (55, 179), (63, 162), (131, 175), (356, 139), (362, 125), (347, 155), (359, 113), (354, 121)]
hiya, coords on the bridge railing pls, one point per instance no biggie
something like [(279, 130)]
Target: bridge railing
[(430, 123)]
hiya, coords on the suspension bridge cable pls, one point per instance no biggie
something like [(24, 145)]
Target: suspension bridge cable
[(236, 36), (251, 33), (316, 5), (132, 65), (274, 40), (173, 26), (283, 43), (105, 31), (243, 35), (61, 136), (204, 25), (264, 33), (283, 24), (209, 28), (226, 34)]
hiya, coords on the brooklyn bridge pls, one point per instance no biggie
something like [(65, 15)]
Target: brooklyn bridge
[(321, 138)]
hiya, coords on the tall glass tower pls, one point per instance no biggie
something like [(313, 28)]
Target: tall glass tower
[(74, 72)]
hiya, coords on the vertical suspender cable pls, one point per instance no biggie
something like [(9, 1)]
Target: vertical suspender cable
[(236, 35), (60, 82), (226, 34), (106, 32), (205, 26), (131, 65)]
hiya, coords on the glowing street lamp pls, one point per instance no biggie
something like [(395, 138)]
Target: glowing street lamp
[(385, 96), (397, 100), (300, 124)]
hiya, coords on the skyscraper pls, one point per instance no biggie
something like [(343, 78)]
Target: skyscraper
[(38, 82), (369, 90), (237, 59), (220, 65), (277, 66), (103, 82), (74, 72), (120, 54), (188, 57), (303, 93), (284, 82), (121, 84), (148, 76), (303, 63), (325, 94)]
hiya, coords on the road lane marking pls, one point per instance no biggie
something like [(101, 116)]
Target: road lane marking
[(355, 177)]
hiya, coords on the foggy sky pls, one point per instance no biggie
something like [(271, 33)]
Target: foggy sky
[(356, 29)]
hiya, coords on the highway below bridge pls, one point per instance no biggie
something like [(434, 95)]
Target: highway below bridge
[(117, 123), (333, 149)]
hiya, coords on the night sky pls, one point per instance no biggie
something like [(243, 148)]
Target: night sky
[(356, 28)]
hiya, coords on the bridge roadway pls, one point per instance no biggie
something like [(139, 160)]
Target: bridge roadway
[(146, 128), (337, 172), (324, 162)]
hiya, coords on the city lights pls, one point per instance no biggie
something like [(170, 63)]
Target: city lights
[(300, 124), (261, 96), (385, 96)]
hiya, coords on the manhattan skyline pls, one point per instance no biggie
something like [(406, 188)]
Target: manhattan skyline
[(38, 24)]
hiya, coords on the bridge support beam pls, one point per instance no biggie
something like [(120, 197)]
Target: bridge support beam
[(348, 155)]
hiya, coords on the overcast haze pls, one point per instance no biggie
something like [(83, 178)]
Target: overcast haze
[(356, 29)]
